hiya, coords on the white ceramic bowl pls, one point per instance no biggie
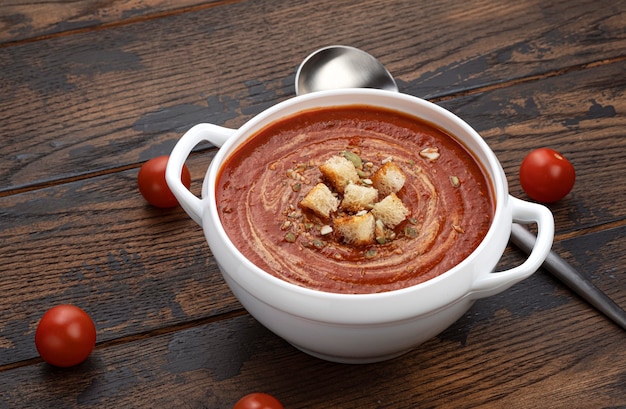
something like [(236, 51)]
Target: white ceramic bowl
[(360, 328)]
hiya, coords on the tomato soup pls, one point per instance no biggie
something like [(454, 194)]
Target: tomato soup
[(286, 211)]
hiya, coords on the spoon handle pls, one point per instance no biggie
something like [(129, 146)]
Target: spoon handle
[(525, 241)]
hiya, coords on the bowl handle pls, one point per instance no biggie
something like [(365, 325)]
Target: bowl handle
[(525, 213), (214, 134)]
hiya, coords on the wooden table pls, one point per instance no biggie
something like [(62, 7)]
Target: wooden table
[(90, 90)]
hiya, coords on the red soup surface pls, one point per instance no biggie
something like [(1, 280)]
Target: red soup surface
[(289, 200)]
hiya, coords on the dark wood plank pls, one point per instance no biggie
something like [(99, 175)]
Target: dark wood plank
[(94, 101), (498, 40), (589, 253), (27, 19)]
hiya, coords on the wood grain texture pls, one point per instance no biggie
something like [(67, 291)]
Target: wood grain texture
[(99, 100), (98, 244), (89, 90), (22, 20), (210, 366)]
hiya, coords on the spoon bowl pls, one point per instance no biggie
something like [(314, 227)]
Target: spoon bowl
[(338, 67)]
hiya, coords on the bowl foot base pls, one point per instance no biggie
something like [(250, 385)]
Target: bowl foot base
[(351, 360)]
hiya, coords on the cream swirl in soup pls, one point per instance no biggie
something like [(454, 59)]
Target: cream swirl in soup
[(447, 199)]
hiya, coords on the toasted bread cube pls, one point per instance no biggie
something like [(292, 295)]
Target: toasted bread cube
[(321, 201), (390, 211), (356, 230), (357, 197), (389, 178), (339, 171)]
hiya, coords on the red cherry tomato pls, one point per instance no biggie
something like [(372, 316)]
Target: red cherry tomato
[(258, 400), (152, 184), (65, 336), (546, 176)]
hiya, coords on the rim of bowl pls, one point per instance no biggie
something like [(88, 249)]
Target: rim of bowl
[(346, 97)]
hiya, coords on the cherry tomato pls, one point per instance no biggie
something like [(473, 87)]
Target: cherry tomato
[(65, 336), (546, 176), (258, 400), (152, 184)]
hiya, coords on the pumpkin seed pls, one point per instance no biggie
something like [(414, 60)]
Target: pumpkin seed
[(354, 158)]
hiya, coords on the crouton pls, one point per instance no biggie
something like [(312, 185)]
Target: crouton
[(357, 197), (339, 171), (390, 211), (321, 201), (356, 230), (389, 178)]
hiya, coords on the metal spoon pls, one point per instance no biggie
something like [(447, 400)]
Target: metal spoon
[(348, 67), (341, 66)]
